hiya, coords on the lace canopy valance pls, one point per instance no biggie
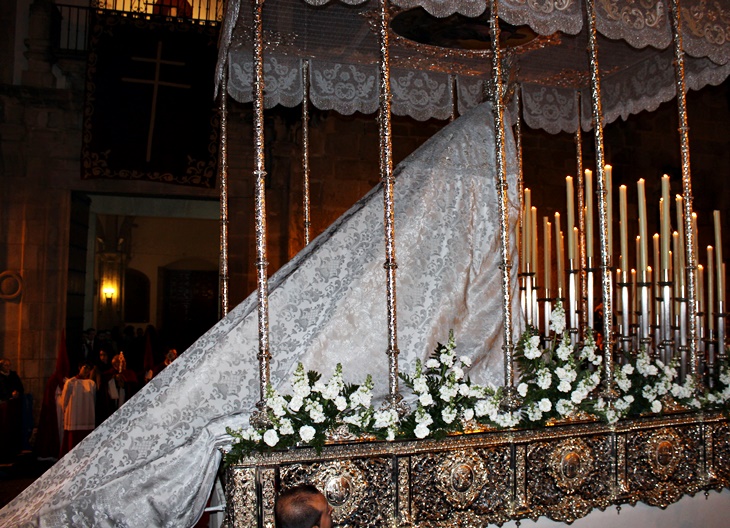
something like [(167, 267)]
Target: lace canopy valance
[(441, 62)]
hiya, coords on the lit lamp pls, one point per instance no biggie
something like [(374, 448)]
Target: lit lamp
[(108, 292)]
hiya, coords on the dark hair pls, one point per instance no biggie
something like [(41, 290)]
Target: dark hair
[(294, 507)]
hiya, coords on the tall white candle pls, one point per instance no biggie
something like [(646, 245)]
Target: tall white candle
[(559, 254), (570, 215), (642, 254), (526, 222), (533, 249), (700, 289), (718, 257), (681, 258), (589, 212), (675, 262), (665, 225), (710, 289), (623, 230), (546, 241)]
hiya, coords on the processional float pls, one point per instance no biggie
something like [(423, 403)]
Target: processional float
[(288, 52)]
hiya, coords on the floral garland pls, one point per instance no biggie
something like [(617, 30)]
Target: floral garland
[(559, 381)]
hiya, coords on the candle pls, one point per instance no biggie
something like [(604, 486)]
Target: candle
[(633, 293), (675, 262), (546, 253), (609, 208), (665, 225), (571, 215), (710, 289), (718, 257), (559, 254), (680, 245), (623, 230), (641, 255), (533, 249), (589, 212), (700, 289), (526, 230), (695, 235)]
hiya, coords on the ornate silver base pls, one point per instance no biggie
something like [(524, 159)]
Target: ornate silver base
[(561, 472)]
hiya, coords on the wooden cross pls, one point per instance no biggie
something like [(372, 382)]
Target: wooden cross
[(156, 83)]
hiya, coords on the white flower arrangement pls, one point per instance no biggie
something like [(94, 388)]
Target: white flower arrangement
[(557, 382), (309, 414), (446, 400)]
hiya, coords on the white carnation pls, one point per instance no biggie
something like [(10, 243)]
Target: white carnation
[(306, 433), (271, 438), (286, 427)]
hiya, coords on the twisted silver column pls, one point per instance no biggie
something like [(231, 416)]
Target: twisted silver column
[(223, 174), (258, 418), (689, 234), (305, 150), (395, 399), (510, 399), (609, 389)]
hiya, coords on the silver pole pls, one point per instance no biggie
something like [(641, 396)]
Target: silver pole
[(305, 149), (510, 399), (223, 171), (258, 418), (694, 369), (395, 399), (610, 392)]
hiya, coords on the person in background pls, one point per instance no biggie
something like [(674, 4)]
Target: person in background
[(79, 408), (101, 375), (11, 412), (302, 506), (169, 358), (122, 383)]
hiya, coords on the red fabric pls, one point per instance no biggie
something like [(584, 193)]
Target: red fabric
[(72, 438), (48, 444)]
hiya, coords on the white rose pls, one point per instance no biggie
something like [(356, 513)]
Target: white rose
[(466, 361), (271, 438), (306, 433), (545, 405), (421, 431), (522, 389), (656, 406), (426, 399)]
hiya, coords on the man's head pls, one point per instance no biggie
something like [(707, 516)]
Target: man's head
[(5, 366), (303, 506), (84, 370)]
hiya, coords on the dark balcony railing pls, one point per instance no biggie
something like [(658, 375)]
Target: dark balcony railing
[(72, 22)]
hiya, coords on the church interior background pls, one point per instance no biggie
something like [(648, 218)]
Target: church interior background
[(113, 221)]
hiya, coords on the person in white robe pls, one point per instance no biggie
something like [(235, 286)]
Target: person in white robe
[(79, 408)]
